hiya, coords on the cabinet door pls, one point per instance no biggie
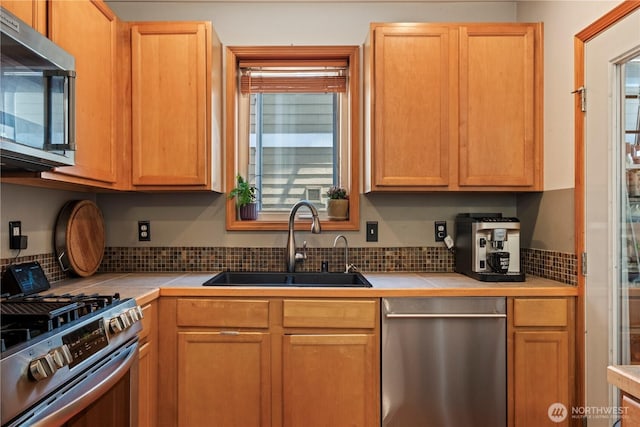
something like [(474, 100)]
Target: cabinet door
[(541, 376), (329, 380), (88, 30), (171, 99), (33, 12), (148, 368), (631, 408), (500, 141), (224, 379), (414, 85), (147, 386)]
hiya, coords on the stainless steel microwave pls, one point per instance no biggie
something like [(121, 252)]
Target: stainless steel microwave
[(37, 108)]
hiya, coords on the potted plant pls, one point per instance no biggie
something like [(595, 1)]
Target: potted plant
[(338, 203), (245, 195)]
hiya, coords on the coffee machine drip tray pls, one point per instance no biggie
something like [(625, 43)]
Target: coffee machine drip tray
[(495, 277)]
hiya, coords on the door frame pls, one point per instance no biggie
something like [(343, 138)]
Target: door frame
[(602, 24)]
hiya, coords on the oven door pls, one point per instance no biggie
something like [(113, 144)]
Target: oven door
[(105, 395)]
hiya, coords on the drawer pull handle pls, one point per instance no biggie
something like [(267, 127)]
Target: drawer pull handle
[(442, 316)]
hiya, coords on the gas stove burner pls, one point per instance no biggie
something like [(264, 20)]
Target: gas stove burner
[(37, 314)]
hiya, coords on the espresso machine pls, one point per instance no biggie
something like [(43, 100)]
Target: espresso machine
[(488, 247)]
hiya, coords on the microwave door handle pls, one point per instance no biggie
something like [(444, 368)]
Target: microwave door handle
[(70, 99), (46, 97)]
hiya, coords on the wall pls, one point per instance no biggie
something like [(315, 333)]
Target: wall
[(38, 209), (405, 220), (550, 216)]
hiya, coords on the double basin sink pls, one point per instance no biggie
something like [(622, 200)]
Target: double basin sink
[(302, 279)]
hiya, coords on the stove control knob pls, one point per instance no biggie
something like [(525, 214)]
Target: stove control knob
[(115, 325), (135, 314), (42, 367), (61, 356), (126, 321)]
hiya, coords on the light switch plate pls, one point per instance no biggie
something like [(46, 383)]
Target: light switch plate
[(372, 231)]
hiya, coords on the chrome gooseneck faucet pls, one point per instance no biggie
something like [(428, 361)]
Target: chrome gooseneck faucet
[(292, 255), (347, 266)]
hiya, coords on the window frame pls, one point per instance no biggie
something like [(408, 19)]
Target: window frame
[(234, 55)]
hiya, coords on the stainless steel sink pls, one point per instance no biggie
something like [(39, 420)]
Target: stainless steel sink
[(303, 279)]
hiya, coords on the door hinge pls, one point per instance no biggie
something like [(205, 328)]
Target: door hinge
[(583, 97), (584, 263)]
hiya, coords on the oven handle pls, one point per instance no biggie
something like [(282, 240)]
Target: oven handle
[(89, 390)]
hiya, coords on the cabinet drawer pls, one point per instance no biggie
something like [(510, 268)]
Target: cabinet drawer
[(223, 313), (631, 414), (148, 314), (540, 312), (329, 314)]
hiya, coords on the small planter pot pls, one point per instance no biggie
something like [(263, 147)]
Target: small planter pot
[(249, 212), (338, 209)]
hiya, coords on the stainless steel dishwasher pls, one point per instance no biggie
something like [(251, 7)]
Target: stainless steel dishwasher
[(444, 362)]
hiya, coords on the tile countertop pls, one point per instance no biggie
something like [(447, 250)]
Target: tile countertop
[(626, 378), (148, 286)]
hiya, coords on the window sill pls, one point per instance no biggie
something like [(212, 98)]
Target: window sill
[(280, 222)]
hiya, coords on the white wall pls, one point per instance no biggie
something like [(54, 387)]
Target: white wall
[(199, 219), (562, 20), (37, 209), (312, 23)]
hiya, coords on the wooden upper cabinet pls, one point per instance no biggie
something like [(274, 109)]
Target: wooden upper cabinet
[(88, 30), (413, 92), (33, 12), (453, 107), (500, 144), (171, 104)]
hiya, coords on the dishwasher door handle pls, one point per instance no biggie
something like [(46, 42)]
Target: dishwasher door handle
[(444, 316)]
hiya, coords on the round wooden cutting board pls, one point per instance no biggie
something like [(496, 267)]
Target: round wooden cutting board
[(79, 237)]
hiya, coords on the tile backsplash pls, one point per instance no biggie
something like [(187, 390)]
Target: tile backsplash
[(548, 264)]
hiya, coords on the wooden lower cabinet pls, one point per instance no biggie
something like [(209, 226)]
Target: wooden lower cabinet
[(329, 380), (234, 362), (542, 359), (148, 367), (630, 410), (224, 379)]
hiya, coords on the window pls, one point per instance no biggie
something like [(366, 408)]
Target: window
[(295, 131)]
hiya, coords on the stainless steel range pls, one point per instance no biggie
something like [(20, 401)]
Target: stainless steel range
[(61, 353)]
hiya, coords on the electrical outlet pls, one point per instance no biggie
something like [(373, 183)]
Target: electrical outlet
[(16, 239), (372, 231), (440, 228), (144, 231)]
